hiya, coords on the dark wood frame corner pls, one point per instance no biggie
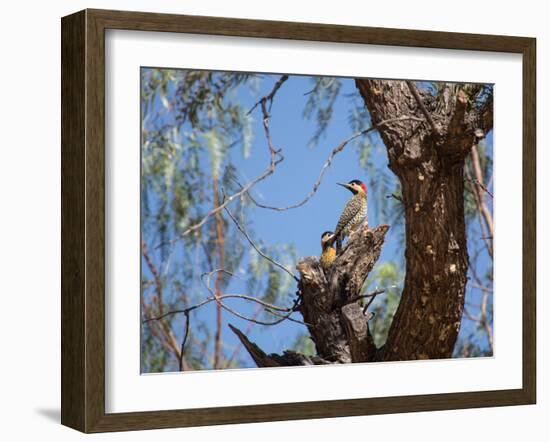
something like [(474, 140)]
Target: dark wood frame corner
[(83, 217)]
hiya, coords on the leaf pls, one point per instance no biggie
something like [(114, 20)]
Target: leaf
[(248, 134), (304, 344), (217, 151), (321, 101), (165, 101)]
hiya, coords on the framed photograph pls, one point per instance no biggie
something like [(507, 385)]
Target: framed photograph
[(266, 220)]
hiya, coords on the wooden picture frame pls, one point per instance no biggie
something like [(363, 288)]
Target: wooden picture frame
[(83, 220)]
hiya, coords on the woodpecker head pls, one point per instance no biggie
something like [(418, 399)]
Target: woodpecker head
[(355, 187), (327, 239)]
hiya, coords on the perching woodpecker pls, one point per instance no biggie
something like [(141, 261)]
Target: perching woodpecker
[(353, 214), (329, 253)]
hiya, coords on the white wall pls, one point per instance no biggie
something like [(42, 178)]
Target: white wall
[(30, 215)]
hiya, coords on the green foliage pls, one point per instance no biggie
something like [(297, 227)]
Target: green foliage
[(384, 208), (193, 126), (304, 344), (248, 134), (217, 150), (266, 281), (154, 359), (389, 277), (486, 165), (321, 102), (472, 346)]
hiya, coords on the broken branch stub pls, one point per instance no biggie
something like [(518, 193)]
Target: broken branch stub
[(338, 328)]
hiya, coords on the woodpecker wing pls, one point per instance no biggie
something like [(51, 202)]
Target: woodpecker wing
[(353, 213)]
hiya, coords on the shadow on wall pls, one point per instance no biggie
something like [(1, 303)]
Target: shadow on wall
[(51, 414)]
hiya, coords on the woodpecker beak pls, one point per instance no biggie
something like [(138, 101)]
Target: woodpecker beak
[(347, 186)]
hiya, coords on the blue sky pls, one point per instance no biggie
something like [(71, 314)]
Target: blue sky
[(291, 182)]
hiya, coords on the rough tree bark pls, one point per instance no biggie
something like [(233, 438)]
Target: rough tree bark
[(329, 304), (428, 159)]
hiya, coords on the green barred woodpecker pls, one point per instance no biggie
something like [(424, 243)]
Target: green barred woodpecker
[(354, 212), (329, 253)]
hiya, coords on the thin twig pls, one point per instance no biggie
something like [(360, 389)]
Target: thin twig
[(239, 346), (167, 339), (375, 293), (483, 226), (479, 178), (483, 320), (220, 245), (257, 321), (476, 182), (396, 197), (155, 273), (214, 272), (269, 97), (368, 295), (267, 306), (275, 158), (213, 298), (480, 287), (470, 316), (245, 189), (421, 105), (247, 236), (473, 269), (184, 341), (287, 316), (471, 304), (328, 163)]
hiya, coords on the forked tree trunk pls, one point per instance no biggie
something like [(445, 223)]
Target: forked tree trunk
[(427, 153), (428, 158)]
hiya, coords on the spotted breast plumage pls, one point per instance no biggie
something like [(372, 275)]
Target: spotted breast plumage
[(354, 213)]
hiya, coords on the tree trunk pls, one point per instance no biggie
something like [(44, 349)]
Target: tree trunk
[(427, 153), (428, 158)]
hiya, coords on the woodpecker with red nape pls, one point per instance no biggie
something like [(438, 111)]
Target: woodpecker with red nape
[(354, 212), (328, 254)]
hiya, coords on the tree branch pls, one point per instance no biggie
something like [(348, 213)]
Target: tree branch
[(184, 340), (371, 300), (422, 107), (479, 178), (269, 97), (220, 245), (221, 298), (239, 346), (262, 254), (166, 338), (370, 295), (479, 206), (361, 342), (288, 358), (275, 158), (155, 273), (481, 185), (328, 163)]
